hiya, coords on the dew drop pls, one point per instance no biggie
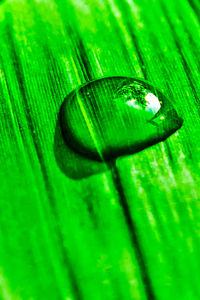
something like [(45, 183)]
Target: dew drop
[(116, 116)]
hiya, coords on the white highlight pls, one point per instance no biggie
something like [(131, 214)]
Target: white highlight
[(153, 104)]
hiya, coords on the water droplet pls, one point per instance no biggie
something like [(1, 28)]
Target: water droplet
[(115, 116)]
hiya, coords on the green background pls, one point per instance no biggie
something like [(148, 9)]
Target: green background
[(68, 239)]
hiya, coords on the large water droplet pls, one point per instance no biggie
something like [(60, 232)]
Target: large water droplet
[(115, 116)]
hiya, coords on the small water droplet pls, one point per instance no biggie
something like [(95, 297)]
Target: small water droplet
[(116, 116)]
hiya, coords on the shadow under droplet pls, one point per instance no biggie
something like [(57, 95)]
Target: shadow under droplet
[(72, 164)]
